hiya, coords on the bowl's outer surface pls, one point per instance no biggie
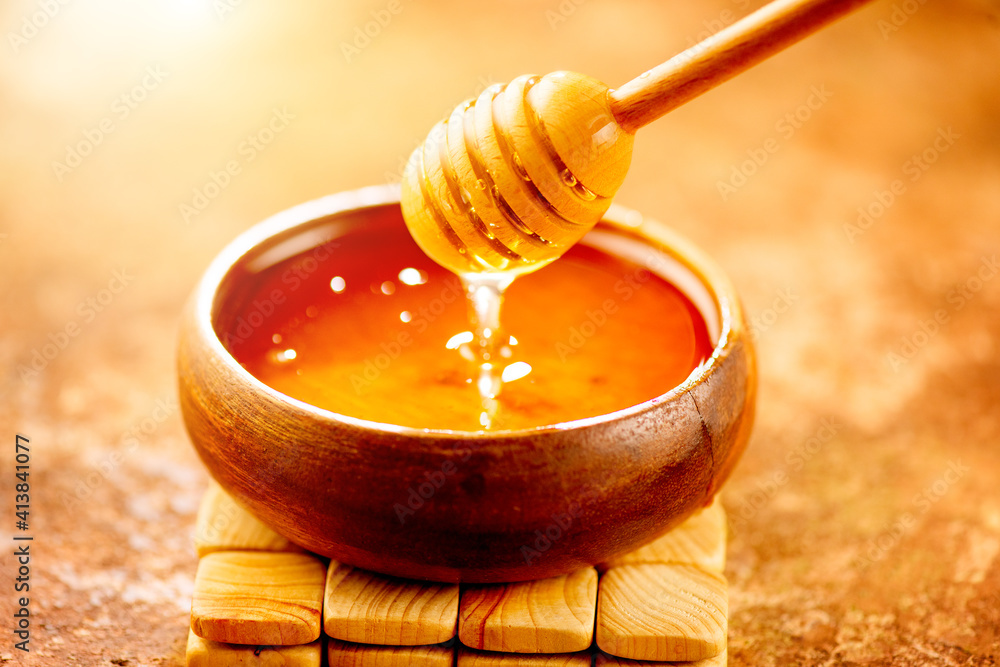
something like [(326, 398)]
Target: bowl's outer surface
[(504, 507)]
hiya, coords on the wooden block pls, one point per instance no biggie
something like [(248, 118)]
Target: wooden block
[(662, 612), (345, 654), (222, 525), (249, 597), (701, 541), (470, 658), (544, 616), (206, 653), (605, 660), (369, 608)]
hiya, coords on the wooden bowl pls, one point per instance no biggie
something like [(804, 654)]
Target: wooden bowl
[(515, 505)]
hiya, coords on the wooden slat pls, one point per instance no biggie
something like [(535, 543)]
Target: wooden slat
[(701, 541), (248, 597), (544, 616), (206, 653), (369, 608), (662, 612), (222, 525), (605, 660), (345, 654), (470, 658)]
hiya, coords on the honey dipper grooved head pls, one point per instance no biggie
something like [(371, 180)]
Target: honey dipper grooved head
[(512, 179)]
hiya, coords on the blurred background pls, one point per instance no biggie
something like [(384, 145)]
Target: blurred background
[(850, 187)]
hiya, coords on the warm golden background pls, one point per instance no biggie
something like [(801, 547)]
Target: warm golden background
[(852, 543)]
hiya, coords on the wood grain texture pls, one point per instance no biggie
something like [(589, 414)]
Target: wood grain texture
[(222, 525), (206, 653), (346, 654), (470, 658), (735, 49), (554, 615), (662, 612), (247, 597), (605, 660), (369, 608), (701, 541)]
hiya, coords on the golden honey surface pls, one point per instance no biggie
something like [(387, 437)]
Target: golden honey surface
[(367, 326)]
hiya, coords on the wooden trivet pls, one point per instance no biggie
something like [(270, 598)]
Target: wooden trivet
[(261, 600)]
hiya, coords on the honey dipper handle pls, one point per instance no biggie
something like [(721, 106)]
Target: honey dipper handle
[(722, 56)]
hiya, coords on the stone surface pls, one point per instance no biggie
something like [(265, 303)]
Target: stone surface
[(865, 521)]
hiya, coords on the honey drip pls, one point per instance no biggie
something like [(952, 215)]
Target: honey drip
[(490, 348)]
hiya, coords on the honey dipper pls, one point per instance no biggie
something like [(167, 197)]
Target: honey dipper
[(514, 178)]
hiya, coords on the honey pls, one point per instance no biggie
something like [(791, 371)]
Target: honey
[(366, 325)]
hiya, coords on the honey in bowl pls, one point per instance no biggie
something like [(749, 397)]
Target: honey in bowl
[(334, 484), (366, 325)]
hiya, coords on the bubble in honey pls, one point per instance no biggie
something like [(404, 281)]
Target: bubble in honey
[(583, 192), (516, 371), (519, 168), (458, 340), (411, 276), (567, 177)]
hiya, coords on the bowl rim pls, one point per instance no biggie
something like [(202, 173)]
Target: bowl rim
[(712, 278)]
